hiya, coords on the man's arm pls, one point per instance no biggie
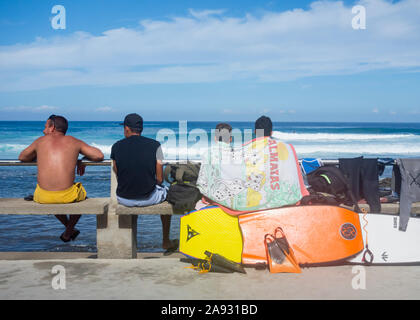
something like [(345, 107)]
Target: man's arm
[(114, 167), (29, 154), (92, 153), (159, 172), (159, 165)]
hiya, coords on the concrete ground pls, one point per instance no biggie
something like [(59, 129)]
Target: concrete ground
[(151, 276)]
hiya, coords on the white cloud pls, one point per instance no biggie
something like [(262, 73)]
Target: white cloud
[(105, 109), (205, 13), (210, 46), (228, 111), (45, 108), (375, 110), (30, 109)]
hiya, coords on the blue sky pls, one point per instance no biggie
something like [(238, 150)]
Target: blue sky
[(211, 60)]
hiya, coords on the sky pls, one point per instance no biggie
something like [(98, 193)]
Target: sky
[(210, 60)]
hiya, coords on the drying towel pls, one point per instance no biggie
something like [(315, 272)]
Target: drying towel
[(262, 174), (364, 180), (410, 188)]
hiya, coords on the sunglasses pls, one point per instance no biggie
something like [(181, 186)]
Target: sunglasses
[(52, 118)]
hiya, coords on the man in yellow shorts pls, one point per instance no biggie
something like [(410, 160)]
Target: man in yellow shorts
[(57, 157)]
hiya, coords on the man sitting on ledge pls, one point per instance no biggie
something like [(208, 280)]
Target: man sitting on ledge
[(137, 162), (57, 156)]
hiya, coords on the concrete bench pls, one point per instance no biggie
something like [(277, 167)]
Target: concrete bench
[(95, 206), (163, 208)]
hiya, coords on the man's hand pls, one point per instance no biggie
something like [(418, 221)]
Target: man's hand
[(80, 168)]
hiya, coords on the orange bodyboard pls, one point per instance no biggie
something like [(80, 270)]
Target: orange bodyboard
[(317, 234)]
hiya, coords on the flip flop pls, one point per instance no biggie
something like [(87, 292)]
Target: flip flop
[(63, 239), (173, 248), (29, 198), (75, 234)]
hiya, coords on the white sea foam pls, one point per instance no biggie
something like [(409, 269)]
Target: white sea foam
[(12, 148), (305, 144), (307, 149), (106, 149), (383, 149), (288, 137)]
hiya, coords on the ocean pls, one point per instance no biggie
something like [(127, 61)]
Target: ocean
[(180, 140)]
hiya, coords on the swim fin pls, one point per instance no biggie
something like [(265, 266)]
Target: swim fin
[(217, 259), (280, 255)]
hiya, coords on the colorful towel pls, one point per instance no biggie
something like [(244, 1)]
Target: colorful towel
[(262, 174)]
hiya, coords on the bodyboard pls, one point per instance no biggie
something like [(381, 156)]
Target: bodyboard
[(317, 234), (387, 244), (210, 229)]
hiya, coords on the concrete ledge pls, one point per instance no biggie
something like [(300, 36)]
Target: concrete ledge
[(97, 206), (163, 208), (393, 208), (47, 255)]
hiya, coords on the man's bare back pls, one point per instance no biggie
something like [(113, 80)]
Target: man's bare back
[(57, 158)]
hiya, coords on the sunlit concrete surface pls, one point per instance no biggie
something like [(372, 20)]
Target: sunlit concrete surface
[(153, 276)]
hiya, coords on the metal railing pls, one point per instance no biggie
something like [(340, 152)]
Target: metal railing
[(107, 162)]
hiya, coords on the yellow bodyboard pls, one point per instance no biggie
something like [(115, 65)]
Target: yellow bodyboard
[(210, 229)]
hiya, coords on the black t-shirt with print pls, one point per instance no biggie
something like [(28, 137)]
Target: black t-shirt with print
[(135, 159)]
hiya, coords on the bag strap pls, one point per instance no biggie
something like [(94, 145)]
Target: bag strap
[(279, 229), (167, 172), (193, 167), (267, 236), (179, 173)]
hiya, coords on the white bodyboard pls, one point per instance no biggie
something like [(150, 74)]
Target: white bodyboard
[(387, 243)]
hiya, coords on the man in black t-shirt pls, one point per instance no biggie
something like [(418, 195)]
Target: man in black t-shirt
[(137, 162)]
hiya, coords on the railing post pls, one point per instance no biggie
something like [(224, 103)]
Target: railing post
[(116, 235)]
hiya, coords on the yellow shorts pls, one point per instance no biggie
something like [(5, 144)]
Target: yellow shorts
[(73, 194)]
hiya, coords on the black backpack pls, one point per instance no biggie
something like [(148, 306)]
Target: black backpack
[(183, 193), (330, 179)]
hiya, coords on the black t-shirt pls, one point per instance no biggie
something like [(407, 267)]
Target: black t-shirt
[(135, 159)]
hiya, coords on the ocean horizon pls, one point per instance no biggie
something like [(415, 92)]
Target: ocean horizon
[(325, 140)]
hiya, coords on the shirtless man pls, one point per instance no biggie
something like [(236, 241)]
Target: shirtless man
[(57, 157)]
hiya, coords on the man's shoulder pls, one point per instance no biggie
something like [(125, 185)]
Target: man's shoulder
[(64, 139), (118, 142), (149, 141), (73, 140), (140, 140)]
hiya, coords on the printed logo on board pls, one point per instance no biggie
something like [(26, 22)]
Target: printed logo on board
[(348, 231), (385, 256), (191, 233)]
